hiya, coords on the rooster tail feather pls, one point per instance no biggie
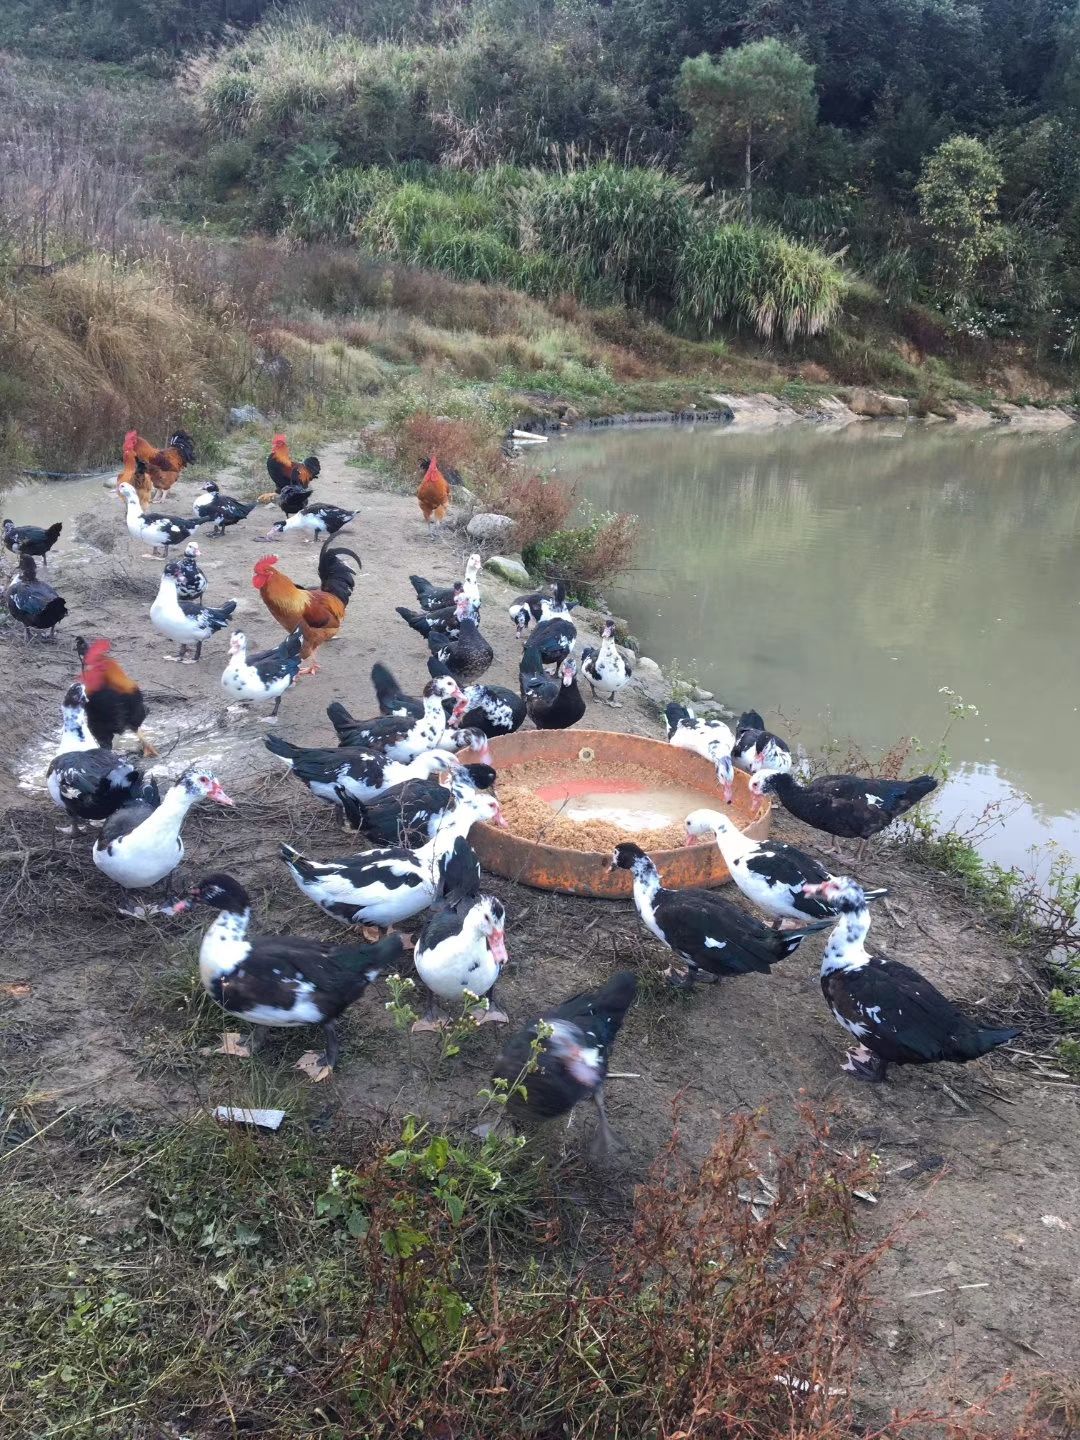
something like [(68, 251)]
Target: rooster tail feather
[(335, 576)]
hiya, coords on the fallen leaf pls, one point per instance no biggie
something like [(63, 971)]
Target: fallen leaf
[(312, 1065), (232, 1043), (408, 942), (370, 932), (17, 989)]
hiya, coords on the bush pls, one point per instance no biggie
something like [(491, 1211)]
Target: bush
[(747, 275), (538, 506), (337, 204), (623, 226), (586, 556), (464, 445)]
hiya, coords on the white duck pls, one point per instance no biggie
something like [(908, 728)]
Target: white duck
[(384, 887), (186, 621), (265, 676), (148, 853), (605, 669), (155, 529), (462, 946)]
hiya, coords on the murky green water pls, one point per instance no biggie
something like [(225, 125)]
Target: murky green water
[(836, 581)]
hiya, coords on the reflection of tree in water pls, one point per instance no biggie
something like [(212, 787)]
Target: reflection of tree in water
[(794, 565)]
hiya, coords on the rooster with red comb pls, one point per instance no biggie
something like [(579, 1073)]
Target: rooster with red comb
[(114, 702), (286, 472)]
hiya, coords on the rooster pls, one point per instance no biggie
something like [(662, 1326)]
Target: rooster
[(165, 465), (433, 495), (284, 471), (114, 703), (135, 472), (319, 612)]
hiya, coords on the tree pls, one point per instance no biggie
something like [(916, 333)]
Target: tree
[(958, 201), (760, 96)]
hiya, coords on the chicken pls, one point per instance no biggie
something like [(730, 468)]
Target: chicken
[(164, 465), (286, 472), (318, 612), (433, 495), (114, 702), (135, 472)]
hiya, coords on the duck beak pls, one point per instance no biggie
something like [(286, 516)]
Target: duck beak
[(498, 819), (178, 907), (218, 794), (497, 946)]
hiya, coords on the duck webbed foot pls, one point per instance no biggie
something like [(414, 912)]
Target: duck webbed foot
[(865, 1065)]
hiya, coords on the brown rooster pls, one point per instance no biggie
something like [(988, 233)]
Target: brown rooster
[(319, 612), (135, 472), (433, 494), (114, 702), (284, 471), (164, 465)]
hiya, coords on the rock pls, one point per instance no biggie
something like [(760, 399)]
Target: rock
[(828, 410), (510, 569), (700, 695), (247, 415), (628, 655), (1032, 417), (489, 528), (875, 404), (969, 417), (756, 412), (649, 666)]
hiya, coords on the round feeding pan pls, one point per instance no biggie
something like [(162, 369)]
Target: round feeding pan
[(562, 769)]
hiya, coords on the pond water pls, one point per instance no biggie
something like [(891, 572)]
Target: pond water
[(839, 580)]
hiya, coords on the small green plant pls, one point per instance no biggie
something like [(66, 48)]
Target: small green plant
[(400, 1006)]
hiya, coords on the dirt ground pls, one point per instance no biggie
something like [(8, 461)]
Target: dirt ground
[(978, 1166)]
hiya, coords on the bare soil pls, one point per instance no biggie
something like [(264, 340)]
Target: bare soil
[(978, 1166)]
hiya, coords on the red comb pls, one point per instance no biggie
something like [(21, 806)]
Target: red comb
[(131, 439), (266, 563), (279, 440), (96, 652)]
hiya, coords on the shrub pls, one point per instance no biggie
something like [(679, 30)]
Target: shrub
[(624, 226), (585, 556), (742, 274), (464, 445), (538, 506), (467, 254)]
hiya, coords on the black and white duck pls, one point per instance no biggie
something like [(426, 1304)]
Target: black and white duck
[(33, 540), (895, 1013), (572, 1060), (446, 620), (462, 946), (605, 669), (712, 936), (436, 597), (491, 708), (757, 748), (145, 853), (191, 582), (711, 739), (223, 510), (85, 780), (532, 609), (393, 700), (152, 528), (186, 621), (314, 521), (554, 638), (290, 501), (780, 879), (363, 774), (251, 679), (410, 814), (553, 702), (847, 806), (280, 981), (466, 657), (33, 603), (384, 887), (398, 737)]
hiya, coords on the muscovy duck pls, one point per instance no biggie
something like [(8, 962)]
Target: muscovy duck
[(410, 814), (160, 531), (491, 708), (363, 774), (444, 621), (191, 582), (290, 501), (223, 510), (114, 702), (572, 1062), (756, 748), (314, 521), (186, 621), (280, 980), (86, 780), (711, 739), (265, 676), (467, 656), (713, 937), (33, 602), (384, 887), (538, 606), (553, 702), (150, 851), (605, 669), (398, 737), (895, 1013), (435, 597), (778, 878), (462, 946), (393, 701), (31, 540), (847, 806), (554, 639)]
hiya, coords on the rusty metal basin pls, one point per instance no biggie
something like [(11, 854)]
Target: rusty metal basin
[(585, 872)]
